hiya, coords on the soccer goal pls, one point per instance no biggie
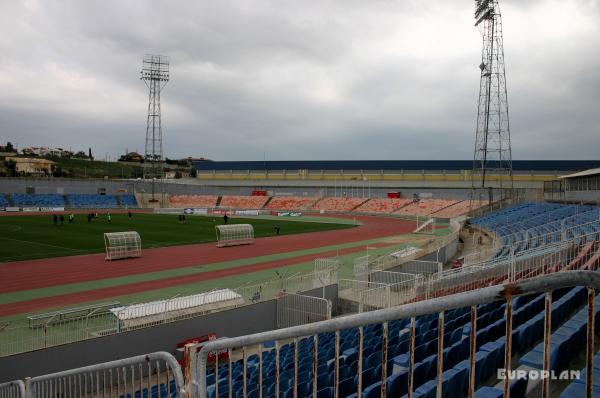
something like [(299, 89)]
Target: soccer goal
[(234, 234), (326, 271), (122, 245), (425, 225)]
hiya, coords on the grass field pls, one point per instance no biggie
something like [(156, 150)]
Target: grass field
[(31, 237)]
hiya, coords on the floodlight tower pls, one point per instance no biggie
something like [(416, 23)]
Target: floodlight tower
[(155, 73), (492, 161)]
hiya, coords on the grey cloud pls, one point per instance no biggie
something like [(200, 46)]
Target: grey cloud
[(343, 79)]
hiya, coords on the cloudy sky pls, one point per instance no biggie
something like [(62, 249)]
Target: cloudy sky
[(302, 79)]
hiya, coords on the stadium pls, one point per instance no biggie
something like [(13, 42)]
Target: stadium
[(303, 278)]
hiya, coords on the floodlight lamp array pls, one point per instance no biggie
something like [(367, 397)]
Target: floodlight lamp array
[(155, 67)]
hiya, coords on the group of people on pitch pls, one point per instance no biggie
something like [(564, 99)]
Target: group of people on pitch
[(56, 218)]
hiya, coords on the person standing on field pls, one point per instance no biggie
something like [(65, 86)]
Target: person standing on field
[(109, 218)]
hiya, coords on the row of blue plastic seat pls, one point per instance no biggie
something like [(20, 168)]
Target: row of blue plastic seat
[(568, 339), (424, 370), (38, 200), (544, 223), (372, 364), (72, 200), (577, 387)]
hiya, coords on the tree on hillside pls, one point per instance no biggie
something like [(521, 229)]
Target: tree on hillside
[(11, 168), (57, 171), (9, 147), (193, 172), (80, 155)]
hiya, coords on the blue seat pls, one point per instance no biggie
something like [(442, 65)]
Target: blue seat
[(577, 388), (397, 384), (454, 383), (518, 389), (427, 390), (323, 380), (373, 390), (38, 200), (347, 387), (325, 393)]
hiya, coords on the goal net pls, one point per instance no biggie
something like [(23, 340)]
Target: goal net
[(234, 234), (425, 225), (122, 245), (326, 271)]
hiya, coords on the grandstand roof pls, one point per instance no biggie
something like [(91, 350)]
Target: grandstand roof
[(585, 173), (519, 165)]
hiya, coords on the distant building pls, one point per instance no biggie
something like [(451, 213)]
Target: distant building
[(7, 150), (171, 174), (46, 151), (200, 159), (32, 166), (131, 157), (583, 186)]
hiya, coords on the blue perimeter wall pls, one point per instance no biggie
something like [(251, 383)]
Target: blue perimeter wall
[(518, 165)]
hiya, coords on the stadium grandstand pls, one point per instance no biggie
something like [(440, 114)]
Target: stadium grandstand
[(378, 173), (193, 200), (338, 204), (384, 206), (243, 202), (426, 207), (73, 201), (164, 277), (407, 335), (291, 203)]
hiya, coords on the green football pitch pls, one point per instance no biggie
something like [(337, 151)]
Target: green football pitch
[(31, 237)]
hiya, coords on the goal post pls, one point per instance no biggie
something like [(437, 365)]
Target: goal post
[(425, 225), (122, 245), (326, 271), (234, 234)]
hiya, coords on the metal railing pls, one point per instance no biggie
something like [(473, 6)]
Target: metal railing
[(436, 309), (533, 240), (434, 245), (159, 373), (135, 376), (574, 254), (23, 338), (12, 389), (421, 267), (299, 309), (391, 278), (350, 289), (390, 295)]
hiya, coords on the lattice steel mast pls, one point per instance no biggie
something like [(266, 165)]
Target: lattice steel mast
[(492, 161), (155, 73)]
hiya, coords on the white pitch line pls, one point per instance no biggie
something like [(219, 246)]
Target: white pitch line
[(11, 228), (41, 244)]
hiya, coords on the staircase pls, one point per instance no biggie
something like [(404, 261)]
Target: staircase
[(267, 202)]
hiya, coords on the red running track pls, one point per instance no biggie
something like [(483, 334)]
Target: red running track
[(115, 291), (34, 274)]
